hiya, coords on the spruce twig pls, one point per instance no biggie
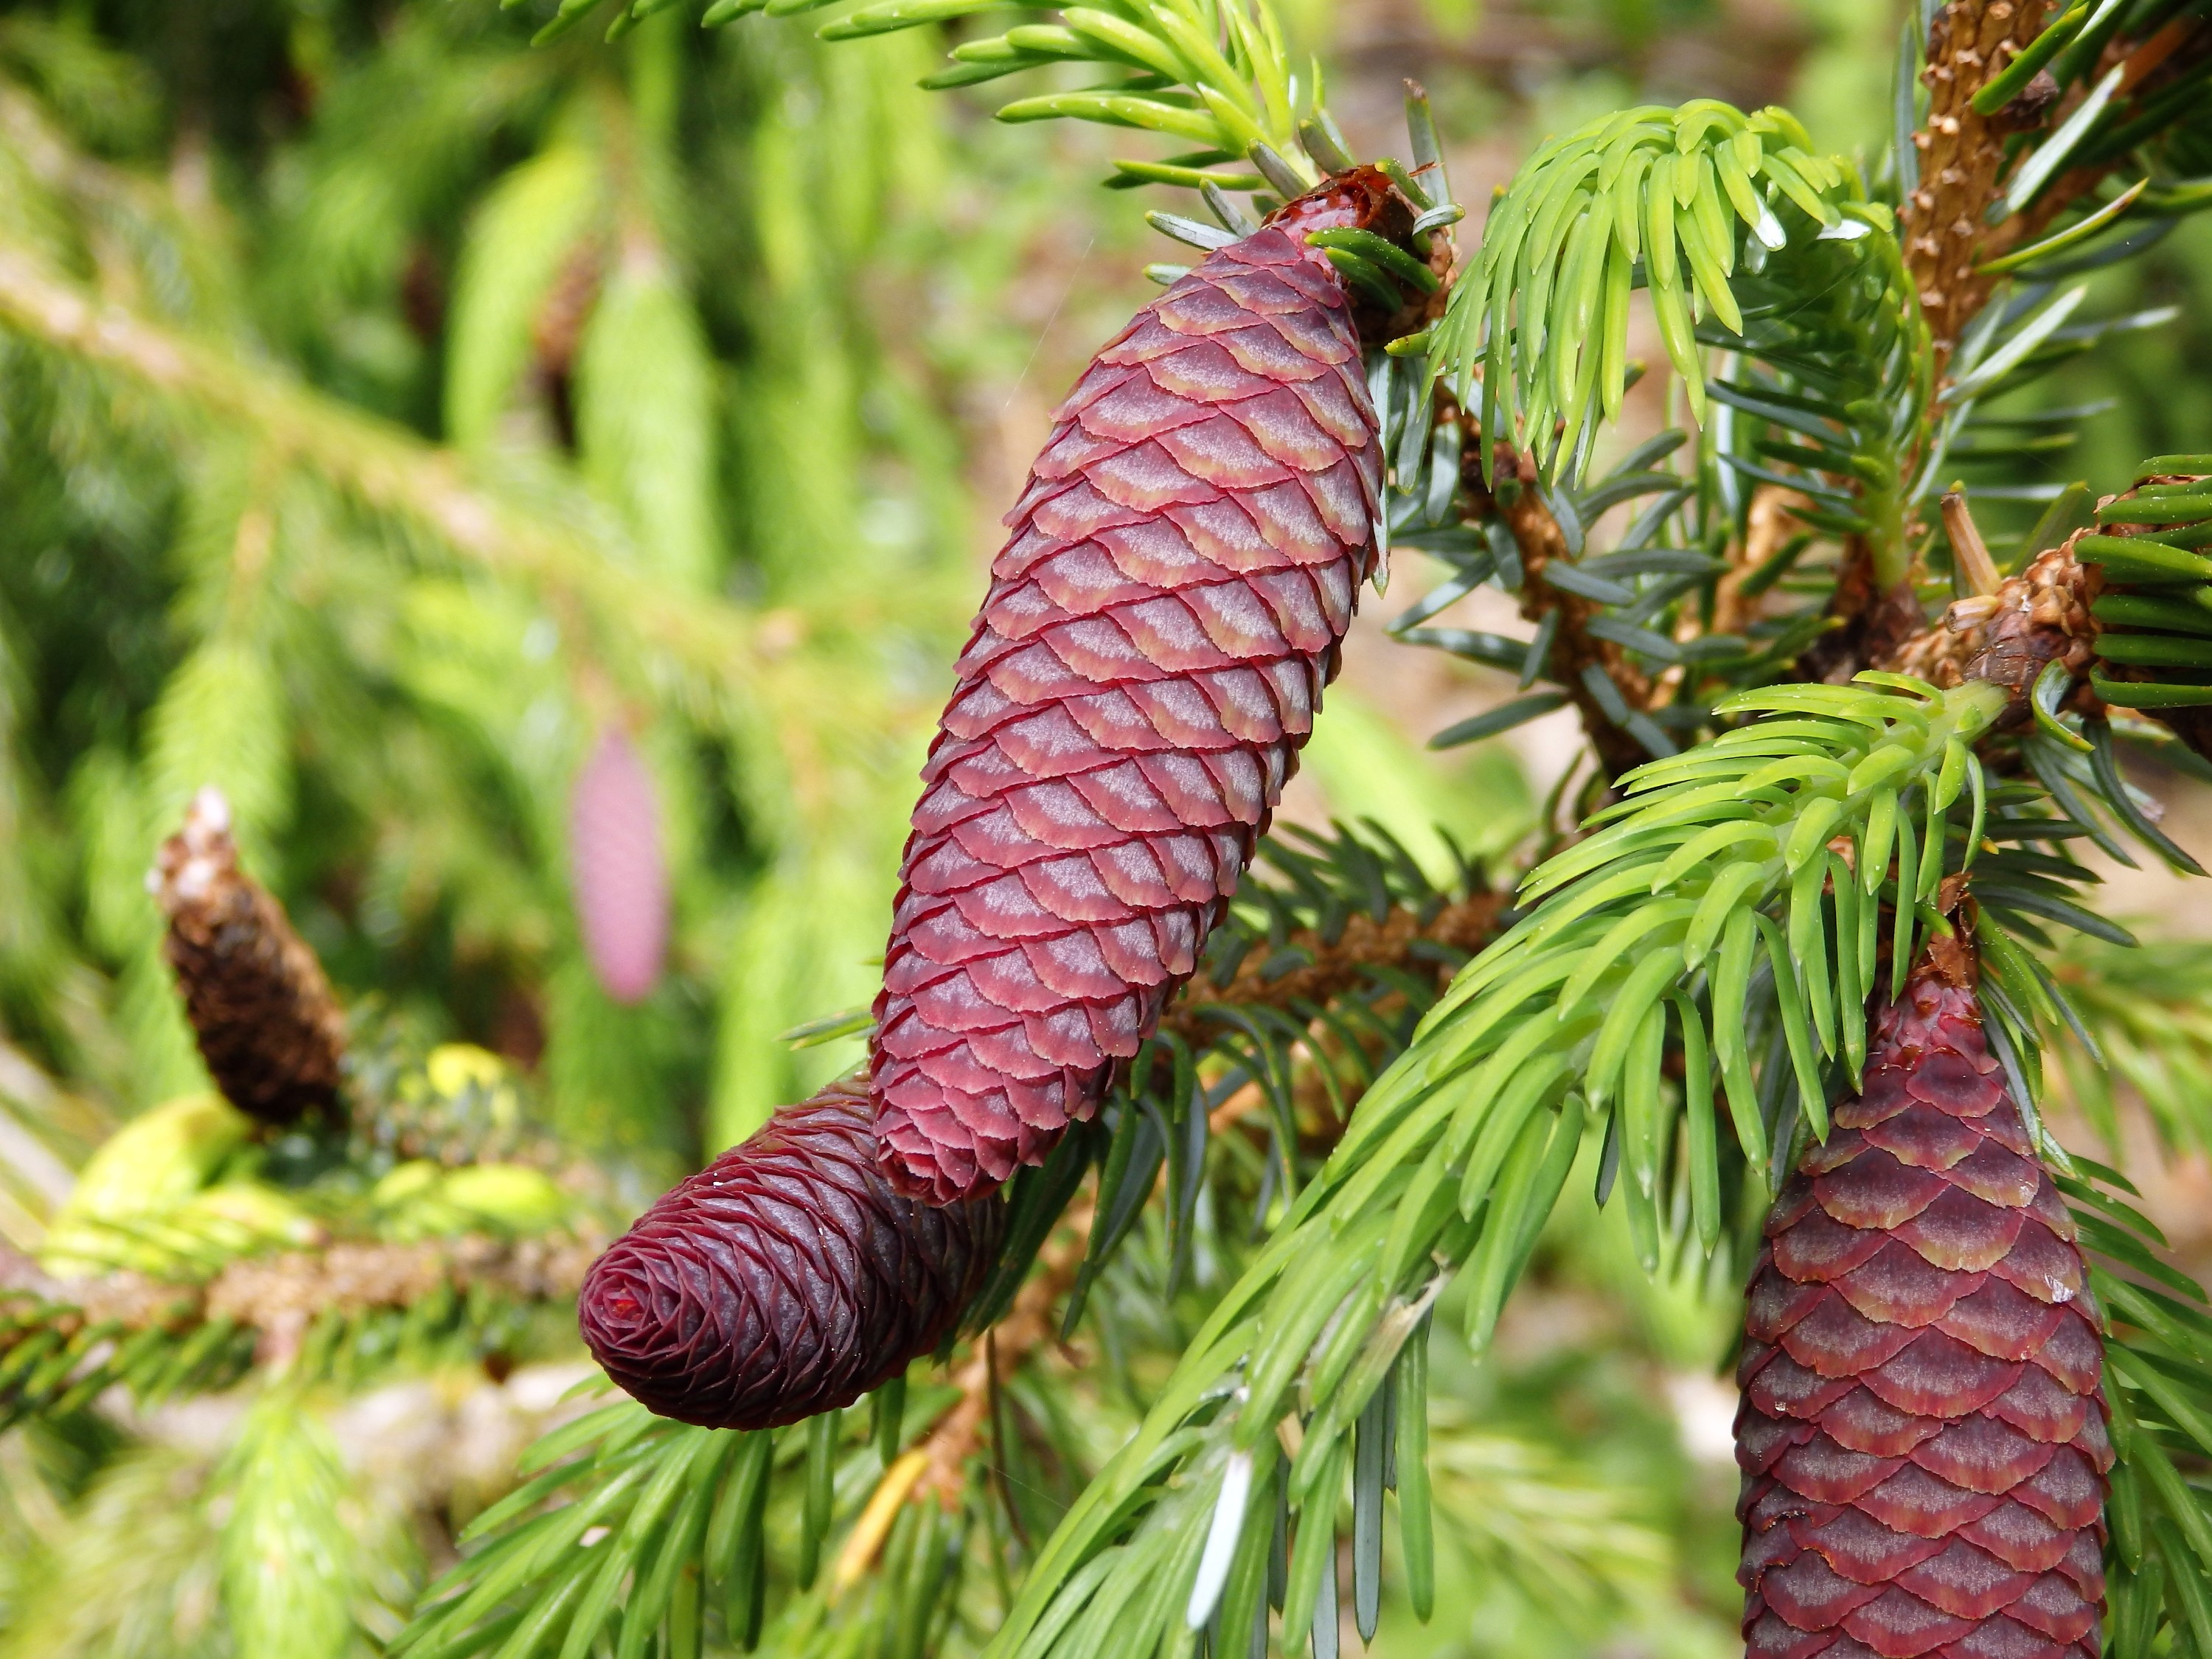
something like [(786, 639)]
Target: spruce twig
[(156, 1336), (1032, 1324), (382, 466), (1362, 948), (1961, 154), (1956, 234), (1516, 499)]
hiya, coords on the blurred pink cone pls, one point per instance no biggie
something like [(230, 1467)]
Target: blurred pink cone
[(615, 861)]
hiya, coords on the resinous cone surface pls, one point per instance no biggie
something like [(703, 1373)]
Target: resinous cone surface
[(1922, 1429), (1144, 670)]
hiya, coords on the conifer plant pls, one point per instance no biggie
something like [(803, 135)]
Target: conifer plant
[(1778, 981), (1808, 900)]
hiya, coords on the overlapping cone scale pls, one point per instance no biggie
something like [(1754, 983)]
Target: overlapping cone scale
[(784, 1280), (1144, 668), (1922, 1427)]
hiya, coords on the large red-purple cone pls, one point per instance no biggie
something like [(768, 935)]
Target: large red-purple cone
[(621, 877), (1923, 1426), (784, 1279), (1143, 672)]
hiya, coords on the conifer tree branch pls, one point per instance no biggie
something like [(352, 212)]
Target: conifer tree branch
[(2149, 1006), (382, 467), (1961, 153), (1544, 309), (1336, 966), (282, 1295), (1986, 127), (1749, 245), (940, 1468), (1457, 1153), (2150, 582), (2108, 616), (1513, 497), (1032, 1324), (62, 1341), (1724, 922)]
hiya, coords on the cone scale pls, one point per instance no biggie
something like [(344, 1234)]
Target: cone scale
[(1147, 663), (1923, 1426), (784, 1279)]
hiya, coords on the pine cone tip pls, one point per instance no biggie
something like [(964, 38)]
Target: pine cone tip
[(784, 1280), (201, 852)]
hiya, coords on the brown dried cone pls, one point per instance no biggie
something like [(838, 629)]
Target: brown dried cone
[(268, 1026), (786, 1279), (1922, 1429), (1143, 672)]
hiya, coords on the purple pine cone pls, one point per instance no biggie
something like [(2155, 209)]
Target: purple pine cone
[(621, 878), (1142, 675), (784, 1280), (1922, 1429)]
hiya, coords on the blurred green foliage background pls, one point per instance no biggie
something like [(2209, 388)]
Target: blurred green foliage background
[(387, 409)]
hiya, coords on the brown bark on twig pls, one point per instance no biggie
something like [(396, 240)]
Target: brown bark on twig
[(1872, 625), (1946, 236), (1541, 542), (1029, 1325), (281, 1295), (1947, 230), (1364, 944)]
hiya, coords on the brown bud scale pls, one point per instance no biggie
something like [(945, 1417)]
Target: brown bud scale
[(2039, 617)]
